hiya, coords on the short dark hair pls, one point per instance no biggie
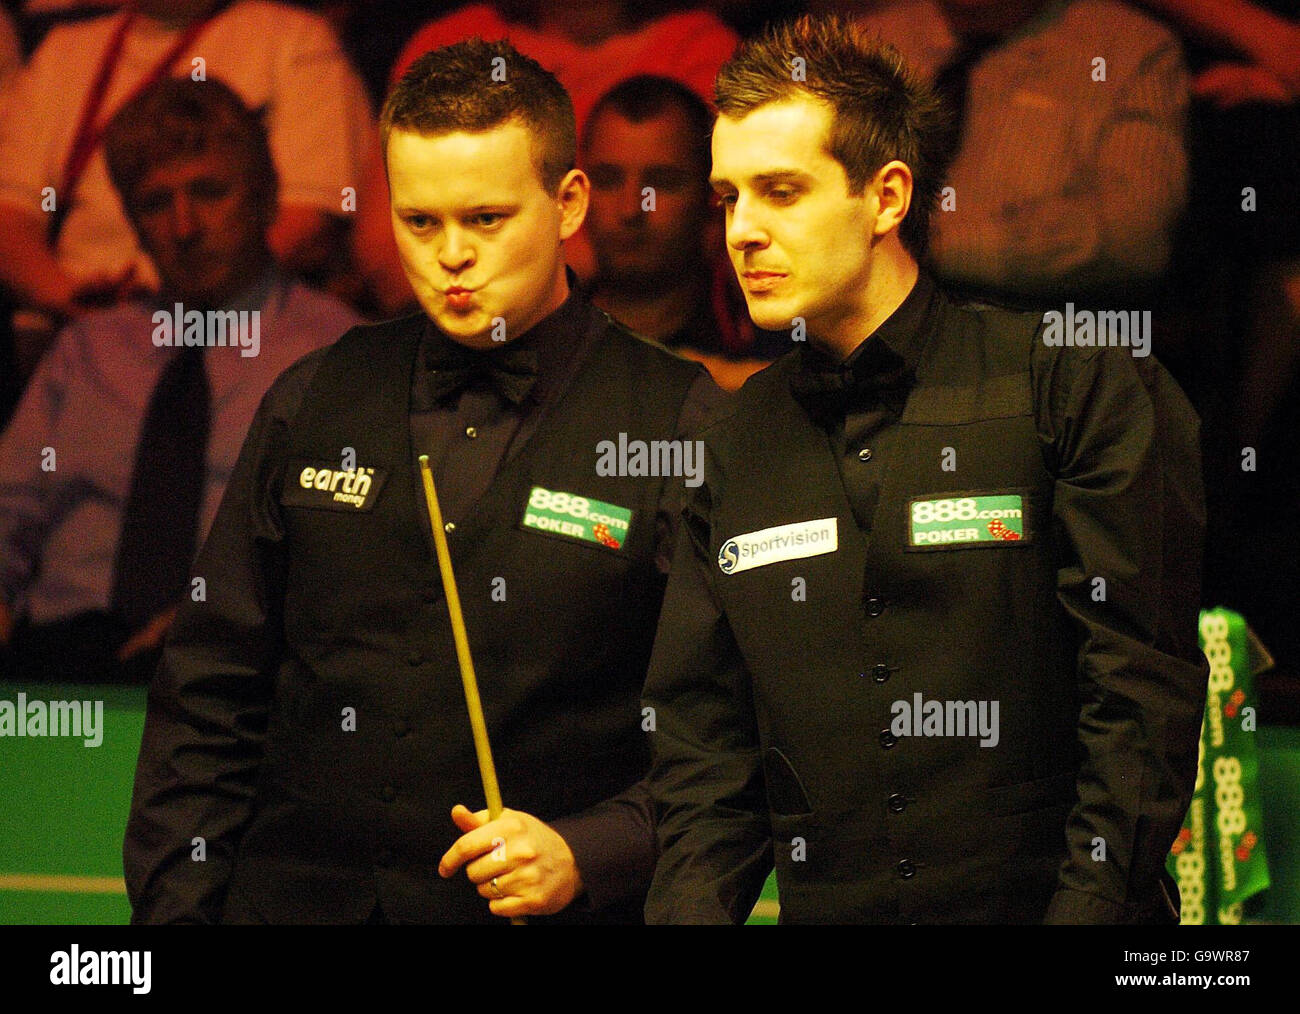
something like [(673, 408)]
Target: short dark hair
[(456, 88), (647, 96), (180, 118), (880, 110)]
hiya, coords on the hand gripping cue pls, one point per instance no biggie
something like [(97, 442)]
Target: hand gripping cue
[(487, 770)]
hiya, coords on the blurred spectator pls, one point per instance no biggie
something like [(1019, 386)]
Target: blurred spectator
[(11, 59), (1071, 172), (37, 17), (113, 465), (1235, 305), (590, 47), (45, 8), (11, 51), (374, 33), (1259, 51), (37, 9), (65, 244), (654, 231), (1246, 132)]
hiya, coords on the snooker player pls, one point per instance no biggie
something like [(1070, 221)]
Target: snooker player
[(930, 647), (307, 747)]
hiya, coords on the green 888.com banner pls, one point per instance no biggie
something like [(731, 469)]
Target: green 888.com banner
[(1218, 858)]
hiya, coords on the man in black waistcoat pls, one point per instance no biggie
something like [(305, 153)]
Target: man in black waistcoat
[(930, 647), (307, 746)]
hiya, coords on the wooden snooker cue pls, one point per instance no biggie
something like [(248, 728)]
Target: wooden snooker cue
[(478, 725)]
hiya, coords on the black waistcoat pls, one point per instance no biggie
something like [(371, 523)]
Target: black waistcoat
[(918, 828), (345, 817)]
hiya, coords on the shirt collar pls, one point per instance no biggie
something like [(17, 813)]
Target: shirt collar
[(890, 353)]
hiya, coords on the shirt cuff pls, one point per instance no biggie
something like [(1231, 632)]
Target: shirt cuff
[(614, 853)]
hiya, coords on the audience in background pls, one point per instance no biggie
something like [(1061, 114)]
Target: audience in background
[(65, 245), (1088, 99), (38, 17), (1257, 52), (1232, 308), (592, 46), (115, 461), (656, 233), (11, 51), (374, 33), (1244, 250), (1085, 98), (11, 59)]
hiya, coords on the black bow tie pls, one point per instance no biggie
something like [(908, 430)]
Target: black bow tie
[(452, 367), (828, 390)]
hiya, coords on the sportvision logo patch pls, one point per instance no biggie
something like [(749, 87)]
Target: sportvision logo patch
[(773, 545)]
